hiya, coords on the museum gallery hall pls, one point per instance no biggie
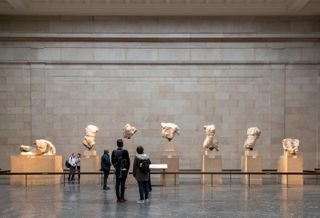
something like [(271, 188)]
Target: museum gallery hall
[(160, 108)]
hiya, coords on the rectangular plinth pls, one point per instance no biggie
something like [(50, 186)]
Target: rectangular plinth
[(251, 162), (288, 164), (32, 163), (90, 164), (173, 166), (211, 163)]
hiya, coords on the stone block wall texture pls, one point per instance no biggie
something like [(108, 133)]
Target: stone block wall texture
[(52, 89)]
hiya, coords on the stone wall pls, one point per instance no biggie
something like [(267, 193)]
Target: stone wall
[(58, 74)]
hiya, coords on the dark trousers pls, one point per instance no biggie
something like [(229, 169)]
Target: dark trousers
[(105, 178), (121, 178), (78, 169), (71, 173), (143, 190)]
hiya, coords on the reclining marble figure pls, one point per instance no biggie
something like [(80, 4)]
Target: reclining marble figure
[(169, 130), (129, 131), (290, 146), (253, 134), (211, 141), (42, 147), (91, 132)]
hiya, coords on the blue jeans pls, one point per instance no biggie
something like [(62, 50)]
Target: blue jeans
[(143, 190)]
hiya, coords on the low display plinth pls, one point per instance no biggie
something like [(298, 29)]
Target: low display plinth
[(90, 163), (35, 164), (251, 162), (211, 163), (288, 163), (172, 160)]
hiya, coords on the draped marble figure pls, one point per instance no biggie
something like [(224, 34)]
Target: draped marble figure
[(169, 130), (290, 146), (42, 147), (129, 131), (89, 138), (253, 135), (210, 141)]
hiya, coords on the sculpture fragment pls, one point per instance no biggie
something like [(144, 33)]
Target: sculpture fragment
[(211, 141), (253, 134), (290, 146), (42, 147), (129, 131), (169, 130), (89, 138)]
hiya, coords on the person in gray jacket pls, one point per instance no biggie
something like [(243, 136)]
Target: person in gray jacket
[(141, 173)]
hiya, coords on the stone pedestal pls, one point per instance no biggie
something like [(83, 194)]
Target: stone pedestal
[(211, 163), (90, 163), (32, 163), (251, 162), (170, 156), (288, 163)]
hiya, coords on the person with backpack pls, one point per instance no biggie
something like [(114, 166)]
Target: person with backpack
[(121, 163), (105, 167), (141, 173), (72, 163)]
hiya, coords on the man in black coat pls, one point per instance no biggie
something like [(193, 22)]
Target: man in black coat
[(105, 167), (121, 162)]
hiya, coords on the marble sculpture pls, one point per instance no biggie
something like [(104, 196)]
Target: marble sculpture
[(253, 134), (290, 146), (42, 147), (91, 132), (211, 141), (129, 131), (169, 130)]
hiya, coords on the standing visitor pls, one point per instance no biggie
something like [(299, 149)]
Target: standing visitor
[(141, 173), (105, 167), (121, 162), (78, 159), (72, 162)]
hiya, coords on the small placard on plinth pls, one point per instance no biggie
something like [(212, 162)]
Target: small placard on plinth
[(291, 163), (90, 162), (170, 157), (211, 163), (251, 162), (36, 164)]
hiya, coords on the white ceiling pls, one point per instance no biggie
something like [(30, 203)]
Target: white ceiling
[(160, 7)]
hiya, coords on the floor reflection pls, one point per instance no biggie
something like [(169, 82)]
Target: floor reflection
[(185, 200)]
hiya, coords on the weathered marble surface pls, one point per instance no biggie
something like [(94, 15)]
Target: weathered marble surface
[(42, 147), (211, 142), (290, 146), (89, 138), (128, 131), (253, 135), (169, 130)]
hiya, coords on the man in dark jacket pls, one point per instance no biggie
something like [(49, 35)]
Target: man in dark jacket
[(121, 162), (105, 167)]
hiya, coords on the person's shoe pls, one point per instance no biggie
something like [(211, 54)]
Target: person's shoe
[(107, 188), (140, 202), (104, 188), (119, 200), (147, 200), (123, 200)]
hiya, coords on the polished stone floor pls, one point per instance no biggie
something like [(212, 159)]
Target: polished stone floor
[(185, 200)]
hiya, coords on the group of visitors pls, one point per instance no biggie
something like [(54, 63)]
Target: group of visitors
[(73, 163), (121, 163)]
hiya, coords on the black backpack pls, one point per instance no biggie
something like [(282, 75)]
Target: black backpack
[(67, 164), (120, 161), (144, 165)]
